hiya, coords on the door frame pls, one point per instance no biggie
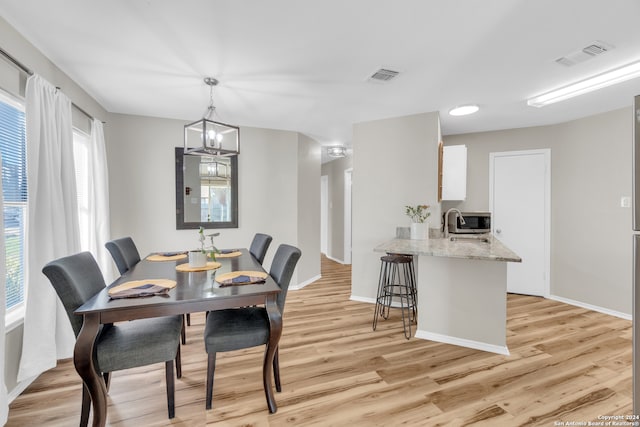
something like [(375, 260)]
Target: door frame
[(546, 152)]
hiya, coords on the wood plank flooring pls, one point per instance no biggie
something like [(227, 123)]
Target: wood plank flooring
[(566, 364)]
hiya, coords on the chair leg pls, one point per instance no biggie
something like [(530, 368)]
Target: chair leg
[(86, 407), (211, 367), (178, 364), (188, 319), (183, 331), (107, 379), (276, 370), (170, 388)]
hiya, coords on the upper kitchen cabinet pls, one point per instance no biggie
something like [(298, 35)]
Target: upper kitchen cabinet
[(453, 172)]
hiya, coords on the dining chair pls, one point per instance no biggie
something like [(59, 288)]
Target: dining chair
[(259, 246), (76, 279), (125, 254), (237, 328)]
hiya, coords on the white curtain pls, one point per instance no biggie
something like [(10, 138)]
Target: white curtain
[(52, 226), (99, 229), (4, 400)]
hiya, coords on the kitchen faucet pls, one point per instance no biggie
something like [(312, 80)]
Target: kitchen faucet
[(446, 220)]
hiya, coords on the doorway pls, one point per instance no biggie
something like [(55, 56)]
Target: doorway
[(520, 202)]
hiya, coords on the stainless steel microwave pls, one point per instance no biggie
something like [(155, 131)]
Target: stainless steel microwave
[(474, 222)]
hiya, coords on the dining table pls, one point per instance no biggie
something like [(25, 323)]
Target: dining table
[(195, 291)]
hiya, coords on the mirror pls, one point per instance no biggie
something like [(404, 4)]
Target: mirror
[(206, 191)]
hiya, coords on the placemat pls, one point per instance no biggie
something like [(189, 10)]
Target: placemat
[(247, 278), (166, 256), (228, 254), (147, 287), (211, 265)]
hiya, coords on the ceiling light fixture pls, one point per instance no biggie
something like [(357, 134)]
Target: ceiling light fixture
[(464, 110), (215, 169), (609, 78), (337, 151), (210, 138)]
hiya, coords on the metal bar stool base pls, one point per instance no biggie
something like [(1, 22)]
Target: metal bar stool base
[(397, 284)]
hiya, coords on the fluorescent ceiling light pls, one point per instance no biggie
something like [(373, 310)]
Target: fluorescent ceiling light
[(609, 78), (464, 110)]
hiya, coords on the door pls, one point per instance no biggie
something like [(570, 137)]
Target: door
[(347, 216), (519, 199), (324, 213)]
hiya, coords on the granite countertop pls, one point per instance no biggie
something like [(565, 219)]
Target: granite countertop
[(493, 250)]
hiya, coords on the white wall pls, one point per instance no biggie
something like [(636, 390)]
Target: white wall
[(395, 163), (309, 158), (591, 258), (142, 189)]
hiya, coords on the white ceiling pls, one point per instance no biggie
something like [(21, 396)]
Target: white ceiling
[(302, 65)]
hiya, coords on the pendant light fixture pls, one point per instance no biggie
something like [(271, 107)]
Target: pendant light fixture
[(207, 137)]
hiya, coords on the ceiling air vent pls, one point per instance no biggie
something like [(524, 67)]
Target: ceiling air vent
[(383, 75), (591, 50)]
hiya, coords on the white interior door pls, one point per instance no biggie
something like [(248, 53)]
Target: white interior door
[(324, 213), (520, 204), (347, 216)]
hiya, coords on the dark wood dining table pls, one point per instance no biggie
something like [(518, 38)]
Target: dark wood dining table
[(195, 292)]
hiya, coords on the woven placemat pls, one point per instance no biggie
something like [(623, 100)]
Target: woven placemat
[(233, 274), (160, 257), (135, 283), (229, 255), (211, 265)]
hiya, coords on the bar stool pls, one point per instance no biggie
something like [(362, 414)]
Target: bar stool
[(397, 283)]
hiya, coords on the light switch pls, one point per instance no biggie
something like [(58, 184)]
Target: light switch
[(625, 202)]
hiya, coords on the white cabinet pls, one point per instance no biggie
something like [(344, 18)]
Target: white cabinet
[(454, 172)]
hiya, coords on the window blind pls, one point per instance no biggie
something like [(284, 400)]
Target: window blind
[(14, 184)]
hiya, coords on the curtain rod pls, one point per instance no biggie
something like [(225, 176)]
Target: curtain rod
[(15, 62), (30, 72)]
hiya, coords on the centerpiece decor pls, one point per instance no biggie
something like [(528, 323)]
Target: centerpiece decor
[(198, 257), (419, 224)]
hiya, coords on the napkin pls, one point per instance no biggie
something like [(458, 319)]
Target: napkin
[(171, 253), (146, 290), (228, 251), (242, 280)]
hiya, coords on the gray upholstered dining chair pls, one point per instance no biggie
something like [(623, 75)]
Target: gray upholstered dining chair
[(259, 246), (119, 346), (125, 254), (237, 328)]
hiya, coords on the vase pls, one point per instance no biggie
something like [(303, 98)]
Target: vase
[(420, 231), (197, 259)]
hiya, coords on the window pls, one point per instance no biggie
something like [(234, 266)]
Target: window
[(14, 179), (81, 143)]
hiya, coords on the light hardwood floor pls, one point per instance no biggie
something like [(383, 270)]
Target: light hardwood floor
[(566, 364)]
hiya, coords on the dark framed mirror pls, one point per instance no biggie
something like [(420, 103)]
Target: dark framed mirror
[(206, 191)]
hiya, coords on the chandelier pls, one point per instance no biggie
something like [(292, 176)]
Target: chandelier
[(207, 137)]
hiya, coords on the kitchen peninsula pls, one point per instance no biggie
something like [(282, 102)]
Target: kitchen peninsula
[(462, 289)]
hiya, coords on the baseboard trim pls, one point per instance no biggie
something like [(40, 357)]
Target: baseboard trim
[(462, 342), (362, 299), (591, 307), (19, 388), (339, 261), (305, 283)]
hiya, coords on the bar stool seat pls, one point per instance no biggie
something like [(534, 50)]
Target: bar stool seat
[(397, 289)]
